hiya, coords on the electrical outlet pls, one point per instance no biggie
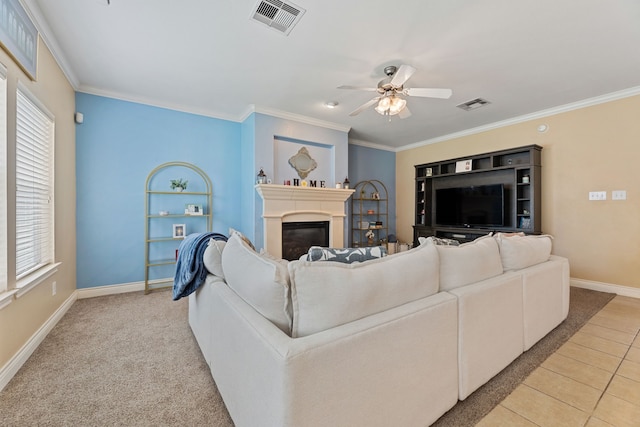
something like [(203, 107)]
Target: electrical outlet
[(619, 195), (54, 288), (597, 195)]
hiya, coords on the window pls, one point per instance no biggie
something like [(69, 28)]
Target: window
[(34, 184), (3, 178)]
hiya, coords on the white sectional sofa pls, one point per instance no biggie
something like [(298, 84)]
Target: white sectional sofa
[(391, 341)]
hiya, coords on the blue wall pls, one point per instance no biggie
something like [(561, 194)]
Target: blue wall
[(367, 163), (118, 144), (121, 142)]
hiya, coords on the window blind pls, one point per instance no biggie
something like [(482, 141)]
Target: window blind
[(34, 185), (3, 178)]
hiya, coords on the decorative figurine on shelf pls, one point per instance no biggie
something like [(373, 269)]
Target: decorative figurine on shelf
[(178, 185), (369, 235), (261, 178), (345, 184)]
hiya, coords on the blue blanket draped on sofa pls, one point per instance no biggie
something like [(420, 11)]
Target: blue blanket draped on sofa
[(190, 269)]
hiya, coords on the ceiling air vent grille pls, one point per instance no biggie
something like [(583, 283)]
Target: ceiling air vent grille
[(277, 14), (474, 104)]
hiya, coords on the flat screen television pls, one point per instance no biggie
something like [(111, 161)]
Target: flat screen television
[(473, 206)]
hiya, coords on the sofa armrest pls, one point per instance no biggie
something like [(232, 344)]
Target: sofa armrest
[(379, 370), (546, 298), (490, 329)]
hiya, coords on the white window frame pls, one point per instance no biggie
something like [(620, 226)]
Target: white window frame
[(3, 184), (35, 258)]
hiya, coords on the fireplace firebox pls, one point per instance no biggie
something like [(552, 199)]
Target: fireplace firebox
[(298, 237)]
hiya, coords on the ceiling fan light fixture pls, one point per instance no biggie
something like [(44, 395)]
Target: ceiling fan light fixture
[(390, 105), (397, 105)]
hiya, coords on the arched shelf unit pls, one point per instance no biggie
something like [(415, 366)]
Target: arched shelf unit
[(170, 215), (369, 214)]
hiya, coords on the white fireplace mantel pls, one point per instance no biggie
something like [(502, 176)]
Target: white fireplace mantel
[(286, 203)]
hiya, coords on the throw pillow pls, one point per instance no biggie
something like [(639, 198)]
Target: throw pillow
[(519, 252), (328, 294), (259, 280), (438, 241), (345, 255), (244, 238), (212, 257), (469, 263)]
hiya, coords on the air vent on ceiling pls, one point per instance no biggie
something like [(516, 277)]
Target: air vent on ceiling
[(277, 14), (474, 104)]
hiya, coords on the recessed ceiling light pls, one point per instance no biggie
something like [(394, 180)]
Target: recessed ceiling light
[(331, 104), (543, 128)]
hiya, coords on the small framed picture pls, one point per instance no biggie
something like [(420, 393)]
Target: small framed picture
[(429, 172), (464, 166), (179, 231), (525, 222), (193, 210)]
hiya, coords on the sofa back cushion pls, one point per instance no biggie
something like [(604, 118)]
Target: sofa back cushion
[(212, 257), (469, 263), (260, 280), (519, 252), (328, 294)]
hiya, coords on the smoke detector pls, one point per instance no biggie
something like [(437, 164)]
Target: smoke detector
[(277, 15)]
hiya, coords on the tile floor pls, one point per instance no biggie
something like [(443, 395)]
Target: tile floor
[(593, 380)]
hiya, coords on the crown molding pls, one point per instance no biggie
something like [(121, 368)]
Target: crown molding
[(368, 144), (609, 97), (294, 117), (154, 103)]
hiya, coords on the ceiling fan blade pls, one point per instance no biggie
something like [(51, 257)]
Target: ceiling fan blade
[(402, 75), (370, 89), (429, 92), (364, 106), (404, 113)]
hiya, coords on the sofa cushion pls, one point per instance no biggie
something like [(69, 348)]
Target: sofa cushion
[(212, 257), (260, 280), (345, 255), (328, 294), (519, 252), (468, 263)]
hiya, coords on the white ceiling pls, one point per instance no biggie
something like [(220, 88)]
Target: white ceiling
[(208, 57)]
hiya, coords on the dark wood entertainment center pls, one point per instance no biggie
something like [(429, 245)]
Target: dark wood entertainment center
[(517, 169)]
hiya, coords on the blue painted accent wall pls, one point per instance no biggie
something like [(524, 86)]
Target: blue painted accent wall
[(121, 142), (248, 178), (367, 163), (117, 146)]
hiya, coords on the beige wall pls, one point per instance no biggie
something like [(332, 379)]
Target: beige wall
[(591, 149), (24, 316)]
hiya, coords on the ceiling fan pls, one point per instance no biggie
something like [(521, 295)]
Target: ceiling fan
[(391, 91)]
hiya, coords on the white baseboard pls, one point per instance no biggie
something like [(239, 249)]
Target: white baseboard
[(100, 291), (606, 287), (15, 363)]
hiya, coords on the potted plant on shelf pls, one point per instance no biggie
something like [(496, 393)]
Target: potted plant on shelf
[(178, 184)]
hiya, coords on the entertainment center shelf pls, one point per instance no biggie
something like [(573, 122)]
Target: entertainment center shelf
[(498, 191)]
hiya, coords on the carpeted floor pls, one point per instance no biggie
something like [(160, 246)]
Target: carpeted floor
[(131, 360)]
